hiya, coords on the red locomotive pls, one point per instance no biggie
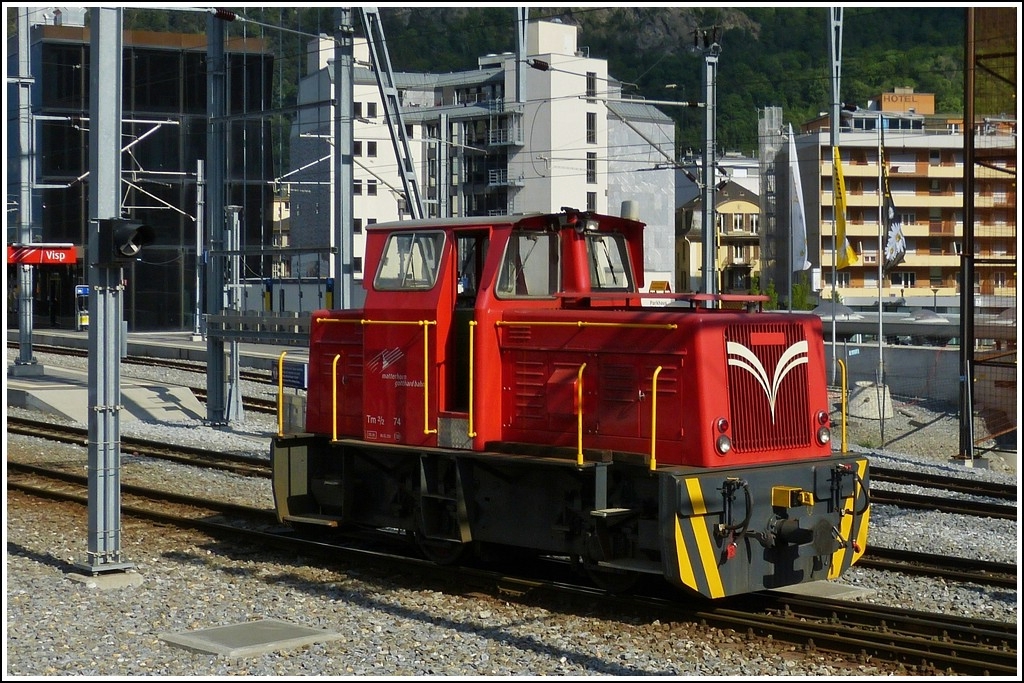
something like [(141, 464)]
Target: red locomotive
[(505, 384)]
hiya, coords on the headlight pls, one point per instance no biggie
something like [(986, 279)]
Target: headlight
[(824, 436), (723, 444)]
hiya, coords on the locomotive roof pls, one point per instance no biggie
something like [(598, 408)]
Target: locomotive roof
[(451, 222), (473, 221)]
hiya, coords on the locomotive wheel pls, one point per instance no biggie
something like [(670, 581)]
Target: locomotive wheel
[(440, 551), (611, 580)]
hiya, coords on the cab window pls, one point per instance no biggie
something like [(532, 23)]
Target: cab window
[(411, 260), (530, 267), (609, 262)]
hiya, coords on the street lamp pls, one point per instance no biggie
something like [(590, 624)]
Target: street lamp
[(935, 299)]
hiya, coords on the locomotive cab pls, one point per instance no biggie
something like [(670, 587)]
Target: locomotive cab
[(506, 383)]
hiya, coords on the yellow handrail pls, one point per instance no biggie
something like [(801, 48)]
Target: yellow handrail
[(337, 320), (585, 323), (654, 415), (426, 377), (842, 404), (334, 397), (280, 393), (470, 432), (579, 415)]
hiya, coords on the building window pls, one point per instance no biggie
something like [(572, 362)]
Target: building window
[(737, 221), (591, 201), (371, 148), (357, 226), (934, 157), (908, 218), (902, 278), (956, 247), (737, 252), (371, 188), (591, 167), (357, 187), (755, 223), (591, 84), (842, 279), (999, 279), (357, 148), (357, 110), (357, 264), (371, 110), (591, 127)]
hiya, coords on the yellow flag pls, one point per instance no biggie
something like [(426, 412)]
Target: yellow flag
[(846, 256)]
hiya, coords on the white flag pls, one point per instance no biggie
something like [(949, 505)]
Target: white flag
[(797, 223)]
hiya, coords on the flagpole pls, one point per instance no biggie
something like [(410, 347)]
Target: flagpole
[(792, 223), (881, 261), (835, 41)]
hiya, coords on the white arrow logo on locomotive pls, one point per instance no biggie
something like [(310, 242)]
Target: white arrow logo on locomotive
[(386, 358), (795, 355)]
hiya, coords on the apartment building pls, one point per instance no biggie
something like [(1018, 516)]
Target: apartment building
[(923, 157), (481, 145)]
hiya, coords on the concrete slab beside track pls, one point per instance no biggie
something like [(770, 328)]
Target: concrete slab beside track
[(248, 639)]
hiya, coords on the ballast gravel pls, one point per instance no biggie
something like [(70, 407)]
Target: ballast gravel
[(390, 626)]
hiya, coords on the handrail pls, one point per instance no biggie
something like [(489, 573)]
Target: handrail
[(338, 320), (584, 323), (842, 404), (334, 397), (579, 415), (470, 432), (654, 415), (426, 377), (280, 393)]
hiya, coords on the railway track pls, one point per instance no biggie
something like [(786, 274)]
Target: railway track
[(940, 502), (952, 484), (149, 361), (918, 642), (896, 560), (239, 464)]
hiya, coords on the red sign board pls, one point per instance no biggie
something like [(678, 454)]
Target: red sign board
[(42, 254)]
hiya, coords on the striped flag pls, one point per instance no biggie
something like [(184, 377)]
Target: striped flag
[(846, 256), (797, 221), (896, 243)]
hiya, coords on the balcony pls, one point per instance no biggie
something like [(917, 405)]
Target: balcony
[(504, 136), (498, 177)]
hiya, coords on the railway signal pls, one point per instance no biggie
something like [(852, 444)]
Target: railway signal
[(121, 240)]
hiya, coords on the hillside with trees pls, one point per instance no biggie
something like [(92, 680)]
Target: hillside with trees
[(769, 57)]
